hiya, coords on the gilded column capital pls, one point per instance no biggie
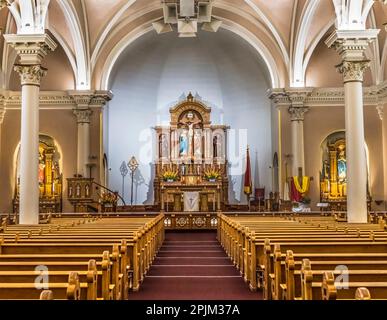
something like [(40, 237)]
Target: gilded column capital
[(83, 115), (353, 71), (30, 74), (297, 113)]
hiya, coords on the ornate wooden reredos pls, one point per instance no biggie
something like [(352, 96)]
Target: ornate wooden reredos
[(190, 148), (191, 138)]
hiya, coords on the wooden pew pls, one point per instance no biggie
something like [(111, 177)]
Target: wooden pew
[(151, 239), (233, 238), (290, 281)]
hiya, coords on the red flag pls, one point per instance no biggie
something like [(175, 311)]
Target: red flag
[(248, 183)]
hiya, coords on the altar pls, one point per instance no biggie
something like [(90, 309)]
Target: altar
[(191, 168)]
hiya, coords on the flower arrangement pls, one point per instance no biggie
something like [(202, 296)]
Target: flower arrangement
[(170, 175), (212, 174)]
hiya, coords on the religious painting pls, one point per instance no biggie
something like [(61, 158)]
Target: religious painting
[(342, 167)]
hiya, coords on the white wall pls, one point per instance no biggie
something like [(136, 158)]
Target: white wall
[(156, 70)]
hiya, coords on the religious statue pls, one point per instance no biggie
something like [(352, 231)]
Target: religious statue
[(198, 144), (163, 146), (186, 140), (183, 170), (326, 170), (217, 146), (342, 167), (78, 191), (183, 143)]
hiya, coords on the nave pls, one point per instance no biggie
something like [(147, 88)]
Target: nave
[(270, 257)]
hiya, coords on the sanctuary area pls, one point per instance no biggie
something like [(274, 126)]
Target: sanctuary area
[(193, 149)]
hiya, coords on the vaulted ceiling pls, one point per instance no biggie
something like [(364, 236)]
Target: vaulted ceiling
[(287, 33)]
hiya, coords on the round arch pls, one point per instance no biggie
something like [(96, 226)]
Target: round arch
[(256, 43)]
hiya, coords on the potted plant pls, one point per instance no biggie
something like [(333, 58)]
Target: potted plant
[(212, 175), (170, 176)]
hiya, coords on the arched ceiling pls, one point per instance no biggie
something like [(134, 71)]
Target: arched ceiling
[(286, 33)]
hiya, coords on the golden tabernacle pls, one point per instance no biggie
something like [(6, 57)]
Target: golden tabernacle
[(333, 177), (50, 178), (191, 167)]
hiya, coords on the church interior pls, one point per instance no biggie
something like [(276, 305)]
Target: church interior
[(193, 150)]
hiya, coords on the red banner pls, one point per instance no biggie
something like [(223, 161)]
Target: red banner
[(248, 189)]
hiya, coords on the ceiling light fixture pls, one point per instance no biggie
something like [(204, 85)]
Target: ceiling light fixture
[(187, 14)]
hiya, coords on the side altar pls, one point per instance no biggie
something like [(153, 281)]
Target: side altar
[(191, 166)]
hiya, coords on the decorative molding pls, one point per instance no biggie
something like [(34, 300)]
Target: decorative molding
[(329, 97), (55, 100), (87, 99), (298, 96), (82, 98), (351, 44), (31, 48), (30, 75), (353, 71)]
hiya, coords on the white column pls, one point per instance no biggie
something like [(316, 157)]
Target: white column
[(83, 144), (355, 145), (351, 46), (297, 116), (31, 50), (29, 161)]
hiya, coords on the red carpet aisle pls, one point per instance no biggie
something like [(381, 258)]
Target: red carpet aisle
[(193, 266)]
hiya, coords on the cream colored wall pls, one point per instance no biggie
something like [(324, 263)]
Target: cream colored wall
[(59, 124), (10, 134), (324, 120)]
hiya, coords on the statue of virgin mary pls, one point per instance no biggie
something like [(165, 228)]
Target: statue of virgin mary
[(183, 142)]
